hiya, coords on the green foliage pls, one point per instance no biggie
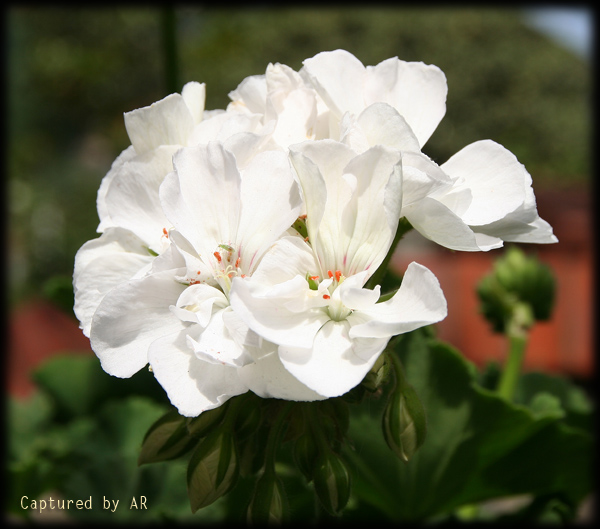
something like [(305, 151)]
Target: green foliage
[(77, 438), (478, 445), (80, 436)]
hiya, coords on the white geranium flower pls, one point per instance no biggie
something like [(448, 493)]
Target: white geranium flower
[(133, 226), (309, 298), (224, 220), (481, 197)]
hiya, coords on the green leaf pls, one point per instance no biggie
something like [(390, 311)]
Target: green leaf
[(78, 385), (577, 406), (478, 446)]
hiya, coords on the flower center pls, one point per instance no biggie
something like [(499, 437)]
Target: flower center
[(226, 267), (335, 308)]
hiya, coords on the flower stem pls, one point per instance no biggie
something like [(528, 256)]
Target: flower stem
[(403, 227), (512, 368), (167, 16)]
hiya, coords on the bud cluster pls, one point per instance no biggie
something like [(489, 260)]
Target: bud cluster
[(242, 438)]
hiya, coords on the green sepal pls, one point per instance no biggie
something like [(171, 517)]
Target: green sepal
[(300, 226), (248, 416), (313, 284), (208, 420), (167, 438)]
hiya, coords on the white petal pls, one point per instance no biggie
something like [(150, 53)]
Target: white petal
[(511, 229), (496, 179), (288, 257), (195, 304), (375, 209), (222, 126), (130, 317), (416, 90), (268, 378), (331, 367), (436, 222), (105, 220), (166, 122), (422, 177), (383, 125), (216, 345), (268, 317), (132, 197), (356, 297), (194, 96), (101, 264), (270, 201), (251, 95), (201, 198), (419, 301), (338, 77), (193, 386), (327, 194)]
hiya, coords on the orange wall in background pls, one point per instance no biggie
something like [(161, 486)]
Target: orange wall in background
[(564, 344)]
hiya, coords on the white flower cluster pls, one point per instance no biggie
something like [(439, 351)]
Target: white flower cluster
[(198, 271)]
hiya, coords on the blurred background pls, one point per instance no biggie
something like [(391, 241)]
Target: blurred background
[(73, 72)]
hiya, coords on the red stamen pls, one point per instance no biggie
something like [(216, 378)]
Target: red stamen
[(338, 275), (218, 256), (166, 233), (325, 296), (330, 273), (314, 278), (237, 262), (243, 275)]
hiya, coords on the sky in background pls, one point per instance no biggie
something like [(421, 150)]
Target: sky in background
[(572, 27)]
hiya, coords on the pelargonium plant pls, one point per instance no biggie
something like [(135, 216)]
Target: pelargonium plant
[(241, 257)]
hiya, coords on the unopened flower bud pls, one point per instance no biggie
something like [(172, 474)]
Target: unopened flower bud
[(212, 470), (404, 422), (269, 502), (332, 482), (378, 374), (305, 455), (520, 288), (166, 439)]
